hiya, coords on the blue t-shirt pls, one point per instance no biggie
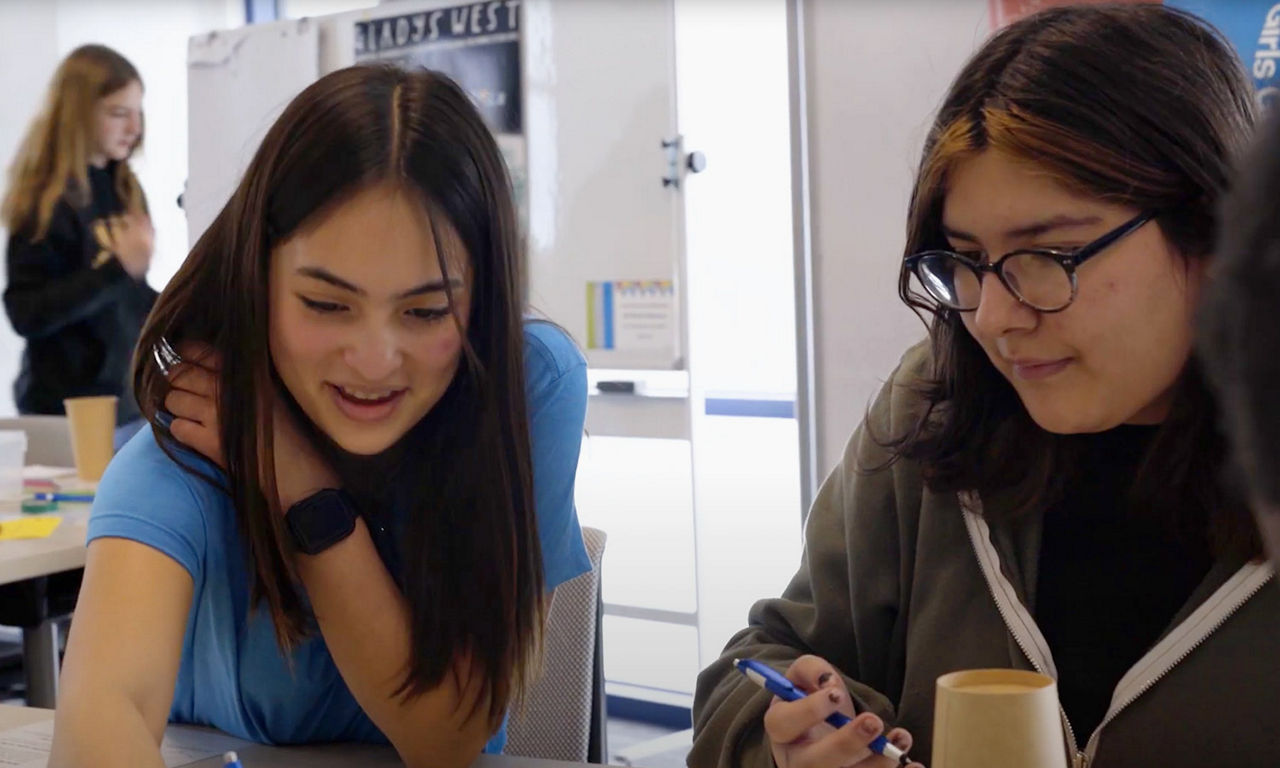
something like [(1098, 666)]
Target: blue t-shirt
[(233, 676)]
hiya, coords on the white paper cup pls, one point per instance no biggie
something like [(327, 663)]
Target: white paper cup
[(13, 456), (93, 429)]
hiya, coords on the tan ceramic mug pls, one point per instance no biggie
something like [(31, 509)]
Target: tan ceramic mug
[(997, 718)]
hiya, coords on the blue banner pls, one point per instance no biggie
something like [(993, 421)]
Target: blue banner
[(1253, 26)]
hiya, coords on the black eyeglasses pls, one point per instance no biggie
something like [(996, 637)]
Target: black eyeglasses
[(1043, 279)]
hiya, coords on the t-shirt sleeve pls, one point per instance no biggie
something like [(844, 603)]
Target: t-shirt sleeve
[(556, 377), (148, 498)]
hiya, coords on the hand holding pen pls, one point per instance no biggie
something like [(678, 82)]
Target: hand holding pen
[(800, 725)]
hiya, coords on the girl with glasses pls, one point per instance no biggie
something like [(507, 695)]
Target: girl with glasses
[(1039, 486)]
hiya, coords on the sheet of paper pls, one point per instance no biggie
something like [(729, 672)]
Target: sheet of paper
[(36, 527), (183, 746), (28, 746), (633, 316)]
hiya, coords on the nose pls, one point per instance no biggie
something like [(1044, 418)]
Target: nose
[(999, 311), (374, 354)]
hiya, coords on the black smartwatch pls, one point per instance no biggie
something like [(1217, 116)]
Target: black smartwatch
[(321, 520)]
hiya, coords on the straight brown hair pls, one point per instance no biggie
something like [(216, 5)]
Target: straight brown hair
[(472, 566), (1158, 133)]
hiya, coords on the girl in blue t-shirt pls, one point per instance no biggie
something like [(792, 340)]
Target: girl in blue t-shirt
[(359, 487)]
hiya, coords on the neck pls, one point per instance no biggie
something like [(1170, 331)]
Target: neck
[(98, 161)]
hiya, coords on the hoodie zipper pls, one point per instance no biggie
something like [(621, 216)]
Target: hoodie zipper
[(1180, 643), (1041, 662), (1167, 654)]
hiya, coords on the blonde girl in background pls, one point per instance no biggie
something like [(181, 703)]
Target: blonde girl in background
[(80, 238)]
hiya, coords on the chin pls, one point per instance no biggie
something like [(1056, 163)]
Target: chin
[(1066, 422), (360, 439), (366, 445)]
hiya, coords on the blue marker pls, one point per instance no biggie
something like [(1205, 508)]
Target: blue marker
[(231, 760), (765, 677), (71, 498)]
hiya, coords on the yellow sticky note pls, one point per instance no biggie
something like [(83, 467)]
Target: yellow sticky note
[(29, 527)]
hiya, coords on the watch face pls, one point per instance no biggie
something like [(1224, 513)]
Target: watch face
[(320, 521)]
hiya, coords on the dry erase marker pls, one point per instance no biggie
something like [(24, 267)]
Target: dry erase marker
[(765, 677), (75, 498), (231, 760)]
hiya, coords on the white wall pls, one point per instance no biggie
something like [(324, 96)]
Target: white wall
[(296, 9), (28, 54), (36, 34), (877, 70)]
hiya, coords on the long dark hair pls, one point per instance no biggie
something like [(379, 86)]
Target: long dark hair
[(472, 566), (1158, 133), (1239, 337)]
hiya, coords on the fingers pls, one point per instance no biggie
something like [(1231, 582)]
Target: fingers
[(790, 721), (198, 352), (132, 218), (193, 407), (198, 437), (191, 377), (900, 738), (845, 746), (809, 673)]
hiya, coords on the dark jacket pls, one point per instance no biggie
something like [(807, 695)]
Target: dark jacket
[(79, 311), (899, 585)]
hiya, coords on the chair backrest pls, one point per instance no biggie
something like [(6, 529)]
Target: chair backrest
[(48, 439), (563, 716)]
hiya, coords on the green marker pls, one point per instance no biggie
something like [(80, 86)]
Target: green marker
[(38, 506)]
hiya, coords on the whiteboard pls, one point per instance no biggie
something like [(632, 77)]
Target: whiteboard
[(599, 99), (239, 81), (598, 84)]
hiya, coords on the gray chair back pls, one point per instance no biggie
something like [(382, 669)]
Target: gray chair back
[(563, 717)]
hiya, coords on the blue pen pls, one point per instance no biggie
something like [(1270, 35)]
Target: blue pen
[(765, 677), (231, 760), (72, 498)]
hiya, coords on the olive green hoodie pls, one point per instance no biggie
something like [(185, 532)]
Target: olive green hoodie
[(899, 585)]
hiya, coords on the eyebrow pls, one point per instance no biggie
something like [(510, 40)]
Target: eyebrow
[(1034, 229), (325, 276)]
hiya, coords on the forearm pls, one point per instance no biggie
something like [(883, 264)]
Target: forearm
[(365, 622), (40, 307), (107, 732)]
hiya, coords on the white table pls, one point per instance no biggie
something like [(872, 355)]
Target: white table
[(63, 550), (24, 559), (316, 756)]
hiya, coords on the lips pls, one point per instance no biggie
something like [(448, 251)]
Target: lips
[(364, 404), (1038, 370)]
